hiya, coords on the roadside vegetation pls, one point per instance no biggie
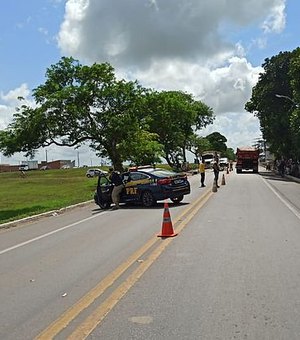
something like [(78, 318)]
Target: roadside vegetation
[(42, 191), (275, 101), (120, 120)]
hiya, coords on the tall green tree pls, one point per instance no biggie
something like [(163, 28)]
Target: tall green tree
[(230, 154), (174, 116), (294, 74), (142, 149), (274, 111), (80, 104), (197, 145), (217, 142)]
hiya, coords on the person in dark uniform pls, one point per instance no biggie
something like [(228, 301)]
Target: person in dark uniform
[(216, 170), (116, 180)]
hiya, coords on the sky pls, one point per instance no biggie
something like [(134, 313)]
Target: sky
[(213, 49)]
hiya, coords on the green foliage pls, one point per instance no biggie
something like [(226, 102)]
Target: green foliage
[(120, 120), (41, 191), (278, 115), (173, 116), (78, 104), (294, 73), (197, 145), (230, 154), (142, 149), (217, 142)]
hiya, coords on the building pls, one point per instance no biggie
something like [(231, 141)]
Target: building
[(58, 164)]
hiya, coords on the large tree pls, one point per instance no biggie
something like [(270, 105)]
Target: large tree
[(174, 116), (217, 142), (197, 145), (81, 104), (294, 74), (272, 102)]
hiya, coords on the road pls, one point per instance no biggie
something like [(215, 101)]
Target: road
[(231, 273)]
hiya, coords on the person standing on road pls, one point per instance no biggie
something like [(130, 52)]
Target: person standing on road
[(216, 170), (116, 180), (281, 167), (202, 172)]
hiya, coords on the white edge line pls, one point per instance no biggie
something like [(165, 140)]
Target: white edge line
[(288, 205), (46, 235)]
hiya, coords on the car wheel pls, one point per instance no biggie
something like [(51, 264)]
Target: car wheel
[(104, 205), (148, 199), (88, 175), (177, 200)]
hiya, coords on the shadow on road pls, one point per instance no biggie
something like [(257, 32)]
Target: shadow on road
[(136, 206)]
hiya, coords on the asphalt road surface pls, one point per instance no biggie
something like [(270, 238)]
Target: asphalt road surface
[(231, 273)]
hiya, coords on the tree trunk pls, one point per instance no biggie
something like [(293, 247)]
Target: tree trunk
[(115, 159), (184, 154)]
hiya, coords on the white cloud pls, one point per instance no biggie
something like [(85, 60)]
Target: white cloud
[(275, 22), (178, 44), (191, 45), (240, 129), (135, 33), (12, 96), (9, 101)]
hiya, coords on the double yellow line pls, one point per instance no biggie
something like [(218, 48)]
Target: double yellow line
[(95, 318)]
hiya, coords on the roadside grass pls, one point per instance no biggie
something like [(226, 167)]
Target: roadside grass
[(42, 191)]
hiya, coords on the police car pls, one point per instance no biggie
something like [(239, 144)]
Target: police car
[(144, 185)]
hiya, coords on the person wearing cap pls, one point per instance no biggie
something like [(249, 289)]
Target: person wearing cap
[(116, 180), (216, 170), (202, 172)]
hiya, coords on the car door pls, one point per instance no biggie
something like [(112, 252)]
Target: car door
[(134, 185)]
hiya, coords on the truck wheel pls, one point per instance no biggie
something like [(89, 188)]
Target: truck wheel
[(148, 199)]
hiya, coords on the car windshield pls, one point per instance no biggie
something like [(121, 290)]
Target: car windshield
[(103, 180)]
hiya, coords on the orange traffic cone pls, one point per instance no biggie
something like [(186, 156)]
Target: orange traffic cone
[(167, 227)]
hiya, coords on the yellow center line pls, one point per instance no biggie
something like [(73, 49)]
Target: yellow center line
[(62, 322), (94, 319)]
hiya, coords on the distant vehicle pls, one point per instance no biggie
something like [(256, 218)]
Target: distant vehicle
[(28, 165), (23, 167), (95, 172), (144, 185), (209, 157), (247, 159), (223, 163)]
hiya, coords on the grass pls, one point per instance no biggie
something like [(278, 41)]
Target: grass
[(41, 191)]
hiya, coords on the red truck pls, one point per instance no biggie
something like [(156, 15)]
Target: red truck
[(247, 159)]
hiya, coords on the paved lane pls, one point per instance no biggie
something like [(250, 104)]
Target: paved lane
[(233, 273)]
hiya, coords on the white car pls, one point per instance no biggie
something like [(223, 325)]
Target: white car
[(23, 167), (223, 163), (95, 172)]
